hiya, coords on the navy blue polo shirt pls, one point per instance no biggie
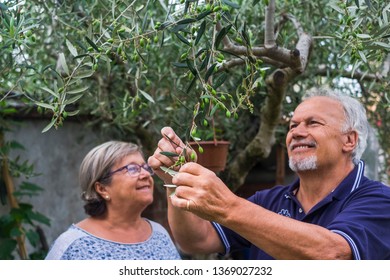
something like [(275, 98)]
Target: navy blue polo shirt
[(358, 209)]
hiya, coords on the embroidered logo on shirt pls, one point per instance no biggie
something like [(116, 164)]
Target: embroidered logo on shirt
[(284, 212)]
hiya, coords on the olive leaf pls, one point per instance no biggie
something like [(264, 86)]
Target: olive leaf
[(93, 45), (169, 154), (201, 30), (169, 171), (221, 34)]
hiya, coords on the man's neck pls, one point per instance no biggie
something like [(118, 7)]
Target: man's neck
[(315, 185)]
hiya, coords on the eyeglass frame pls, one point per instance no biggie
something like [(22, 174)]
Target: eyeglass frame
[(145, 166)]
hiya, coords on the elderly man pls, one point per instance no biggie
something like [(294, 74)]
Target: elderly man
[(332, 211)]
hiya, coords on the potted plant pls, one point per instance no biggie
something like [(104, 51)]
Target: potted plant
[(211, 151), (205, 133), (213, 155)]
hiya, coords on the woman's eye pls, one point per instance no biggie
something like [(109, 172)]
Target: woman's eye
[(132, 169)]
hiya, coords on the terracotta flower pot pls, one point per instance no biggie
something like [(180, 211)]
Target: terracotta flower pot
[(214, 154)]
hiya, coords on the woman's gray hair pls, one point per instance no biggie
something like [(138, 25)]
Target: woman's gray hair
[(95, 167), (355, 117)]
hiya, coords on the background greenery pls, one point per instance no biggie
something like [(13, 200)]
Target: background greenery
[(231, 69)]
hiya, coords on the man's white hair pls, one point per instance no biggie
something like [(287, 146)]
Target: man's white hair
[(355, 117)]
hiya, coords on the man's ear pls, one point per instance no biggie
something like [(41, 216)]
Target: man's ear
[(351, 140)]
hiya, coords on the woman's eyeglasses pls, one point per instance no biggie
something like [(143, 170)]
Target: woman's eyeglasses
[(133, 169)]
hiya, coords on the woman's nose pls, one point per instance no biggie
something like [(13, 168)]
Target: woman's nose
[(143, 173)]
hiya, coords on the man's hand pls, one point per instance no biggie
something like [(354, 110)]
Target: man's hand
[(169, 143), (201, 192)]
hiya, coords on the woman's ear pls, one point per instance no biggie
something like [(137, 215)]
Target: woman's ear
[(351, 141), (102, 191)]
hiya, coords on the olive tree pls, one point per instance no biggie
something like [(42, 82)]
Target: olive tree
[(232, 67)]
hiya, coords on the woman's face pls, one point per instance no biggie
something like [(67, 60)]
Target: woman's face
[(131, 188)]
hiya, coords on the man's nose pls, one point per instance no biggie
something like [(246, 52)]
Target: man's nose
[(300, 130)]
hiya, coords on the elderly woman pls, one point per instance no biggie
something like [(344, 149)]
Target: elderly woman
[(117, 186)]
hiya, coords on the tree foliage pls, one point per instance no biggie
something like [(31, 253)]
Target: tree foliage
[(238, 66)]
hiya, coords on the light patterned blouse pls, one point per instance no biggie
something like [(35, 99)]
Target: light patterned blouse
[(77, 244)]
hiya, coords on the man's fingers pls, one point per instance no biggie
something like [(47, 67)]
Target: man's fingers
[(195, 169), (168, 134), (182, 203), (153, 162)]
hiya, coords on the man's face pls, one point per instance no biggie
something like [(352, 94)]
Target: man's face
[(315, 137)]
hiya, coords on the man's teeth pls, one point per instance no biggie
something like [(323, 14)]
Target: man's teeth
[(302, 147)]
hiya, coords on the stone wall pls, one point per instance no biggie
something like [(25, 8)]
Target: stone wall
[(56, 156)]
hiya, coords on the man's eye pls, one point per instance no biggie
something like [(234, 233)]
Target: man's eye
[(313, 123), (292, 126)]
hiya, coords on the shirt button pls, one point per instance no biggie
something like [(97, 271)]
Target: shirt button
[(300, 210)]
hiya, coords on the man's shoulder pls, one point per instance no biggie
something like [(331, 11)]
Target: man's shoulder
[(374, 186), (278, 191)]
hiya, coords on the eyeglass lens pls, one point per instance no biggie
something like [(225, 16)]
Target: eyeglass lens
[(135, 169)]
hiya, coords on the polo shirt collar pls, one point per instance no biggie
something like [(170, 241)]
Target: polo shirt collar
[(348, 185)]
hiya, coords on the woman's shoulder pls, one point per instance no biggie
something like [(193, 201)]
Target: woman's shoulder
[(73, 232), (160, 243), (63, 241), (156, 226)]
